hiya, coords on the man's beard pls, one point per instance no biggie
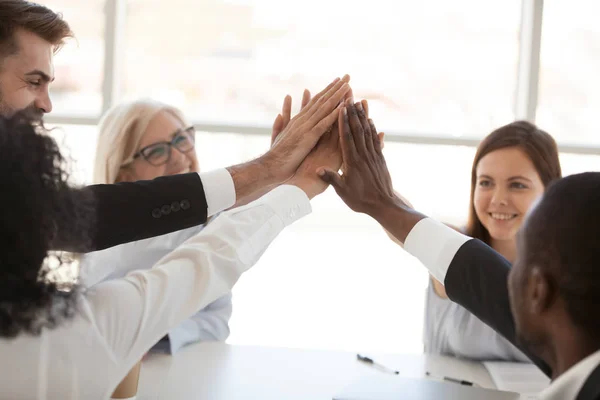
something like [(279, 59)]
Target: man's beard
[(31, 110), (5, 110)]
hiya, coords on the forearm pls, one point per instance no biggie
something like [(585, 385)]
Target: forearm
[(254, 179)]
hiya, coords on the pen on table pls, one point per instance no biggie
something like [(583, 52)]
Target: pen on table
[(370, 361), (449, 379)]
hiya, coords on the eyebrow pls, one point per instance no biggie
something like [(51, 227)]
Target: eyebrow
[(512, 178), (181, 130), (44, 76)]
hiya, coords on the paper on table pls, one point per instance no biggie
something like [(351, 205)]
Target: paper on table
[(523, 378)]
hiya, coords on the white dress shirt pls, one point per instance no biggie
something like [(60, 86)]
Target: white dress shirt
[(437, 258), (119, 320), (568, 385), (209, 324), (219, 190)]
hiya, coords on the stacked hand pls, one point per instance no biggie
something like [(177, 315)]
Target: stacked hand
[(299, 135), (366, 184), (327, 152)]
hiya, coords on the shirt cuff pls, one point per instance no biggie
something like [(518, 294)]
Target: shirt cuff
[(435, 245), (289, 203), (219, 190)]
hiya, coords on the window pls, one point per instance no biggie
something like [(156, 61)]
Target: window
[(427, 67), (308, 291), (79, 64), (445, 69), (569, 94)]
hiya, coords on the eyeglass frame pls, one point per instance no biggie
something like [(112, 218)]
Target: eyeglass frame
[(190, 130)]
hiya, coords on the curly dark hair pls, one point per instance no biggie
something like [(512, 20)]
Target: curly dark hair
[(36, 202)]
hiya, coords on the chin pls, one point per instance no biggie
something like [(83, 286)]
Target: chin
[(503, 236)]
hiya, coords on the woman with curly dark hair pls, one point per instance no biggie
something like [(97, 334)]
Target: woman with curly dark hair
[(58, 340)]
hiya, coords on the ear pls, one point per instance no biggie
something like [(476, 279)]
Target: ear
[(541, 292)]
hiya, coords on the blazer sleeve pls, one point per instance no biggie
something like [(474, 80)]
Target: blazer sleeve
[(477, 279), (474, 275), (125, 212)]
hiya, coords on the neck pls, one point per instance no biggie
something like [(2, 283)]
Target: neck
[(507, 248), (567, 347)]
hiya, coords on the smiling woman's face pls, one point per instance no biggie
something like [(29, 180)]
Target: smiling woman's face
[(162, 128), (507, 186)]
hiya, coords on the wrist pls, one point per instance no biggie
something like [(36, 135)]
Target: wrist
[(386, 207), (272, 167), (307, 185), (252, 177), (396, 217)]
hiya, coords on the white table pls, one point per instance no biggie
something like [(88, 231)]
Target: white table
[(215, 371)]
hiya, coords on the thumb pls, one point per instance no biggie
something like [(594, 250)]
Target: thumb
[(277, 127), (381, 136), (330, 177)]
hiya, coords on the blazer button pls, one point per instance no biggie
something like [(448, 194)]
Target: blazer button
[(166, 209), (175, 206), (185, 204), (156, 213)]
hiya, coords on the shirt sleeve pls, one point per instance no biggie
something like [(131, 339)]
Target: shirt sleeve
[(133, 313), (218, 189), (116, 262), (209, 324), (435, 245)]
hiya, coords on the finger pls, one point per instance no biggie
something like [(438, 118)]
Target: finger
[(337, 82), (381, 136), (346, 140), (349, 96), (365, 105), (321, 100), (305, 98), (325, 124), (364, 122), (308, 110), (277, 127), (286, 111), (376, 142), (357, 131), (327, 103), (332, 178)]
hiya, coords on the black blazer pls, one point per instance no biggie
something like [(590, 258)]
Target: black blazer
[(477, 279), (138, 210)]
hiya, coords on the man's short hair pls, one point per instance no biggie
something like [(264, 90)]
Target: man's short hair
[(562, 236), (31, 17)]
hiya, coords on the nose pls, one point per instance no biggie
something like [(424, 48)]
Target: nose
[(500, 196), (178, 159), (43, 102)]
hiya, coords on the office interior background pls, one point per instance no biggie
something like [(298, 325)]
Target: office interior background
[(438, 75)]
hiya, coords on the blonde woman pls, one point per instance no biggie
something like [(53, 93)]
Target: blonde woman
[(142, 140)]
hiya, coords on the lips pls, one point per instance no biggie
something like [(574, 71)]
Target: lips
[(502, 216)]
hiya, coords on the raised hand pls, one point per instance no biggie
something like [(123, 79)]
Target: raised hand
[(303, 131), (282, 120), (325, 155), (365, 184)]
